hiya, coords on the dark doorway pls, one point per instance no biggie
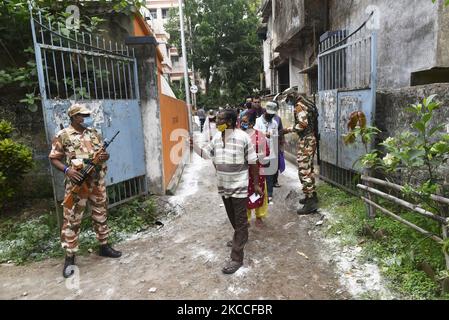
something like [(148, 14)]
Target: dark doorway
[(284, 77)]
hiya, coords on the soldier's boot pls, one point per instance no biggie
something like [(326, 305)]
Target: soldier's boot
[(107, 251), (310, 206), (68, 266), (303, 201)]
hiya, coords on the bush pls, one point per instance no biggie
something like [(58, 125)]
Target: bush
[(16, 159)]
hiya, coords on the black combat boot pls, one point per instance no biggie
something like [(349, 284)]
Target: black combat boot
[(310, 206), (107, 251), (68, 266), (303, 201)]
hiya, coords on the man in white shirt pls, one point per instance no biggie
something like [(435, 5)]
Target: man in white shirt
[(270, 128), (233, 153)]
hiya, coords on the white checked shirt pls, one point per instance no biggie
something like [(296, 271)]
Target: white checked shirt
[(232, 160)]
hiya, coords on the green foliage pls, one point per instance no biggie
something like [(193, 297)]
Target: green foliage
[(15, 160), (422, 153), (33, 239), (399, 254), (17, 66), (446, 2), (424, 150), (38, 238), (225, 47)]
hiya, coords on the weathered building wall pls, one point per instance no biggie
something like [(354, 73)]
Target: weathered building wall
[(443, 37), (294, 28), (146, 55), (289, 16), (266, 62), (412, 35), (391, 114), (392, 117)]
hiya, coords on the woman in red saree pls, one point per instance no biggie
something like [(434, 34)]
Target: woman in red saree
[(260, 206)]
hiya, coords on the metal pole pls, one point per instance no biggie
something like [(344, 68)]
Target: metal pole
[(184, 60), (193, 65)]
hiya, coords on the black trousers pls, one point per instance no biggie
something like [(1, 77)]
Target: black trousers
[(202, 121), (236, 210)]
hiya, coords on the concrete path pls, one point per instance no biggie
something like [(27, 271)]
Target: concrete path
[(183, 259)]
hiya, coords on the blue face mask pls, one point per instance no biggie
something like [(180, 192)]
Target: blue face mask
[(88, 122), (244, 126)]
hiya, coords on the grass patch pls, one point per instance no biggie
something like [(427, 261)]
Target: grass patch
[(398, 254), (35, 239)]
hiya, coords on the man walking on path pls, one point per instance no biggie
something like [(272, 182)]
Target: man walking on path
[(202, 116), (233, 153), (76, 144)]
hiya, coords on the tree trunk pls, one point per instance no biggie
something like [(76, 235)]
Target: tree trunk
[(207, 80)]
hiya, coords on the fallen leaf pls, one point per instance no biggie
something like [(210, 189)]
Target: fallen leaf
[(302, 254)]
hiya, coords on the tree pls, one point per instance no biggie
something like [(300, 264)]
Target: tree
[(226, 50)]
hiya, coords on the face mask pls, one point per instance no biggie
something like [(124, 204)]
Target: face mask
[(222, 127), (88, 122), (244, 126)]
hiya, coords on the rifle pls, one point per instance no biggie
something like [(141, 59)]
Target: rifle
[(80, 187)]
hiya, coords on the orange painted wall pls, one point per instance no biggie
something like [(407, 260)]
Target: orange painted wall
[(173, 116)]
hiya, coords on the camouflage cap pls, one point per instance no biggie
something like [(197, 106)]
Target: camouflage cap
[(78, 109)]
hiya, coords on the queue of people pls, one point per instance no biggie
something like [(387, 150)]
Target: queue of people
[(247, 152), (245, 145)]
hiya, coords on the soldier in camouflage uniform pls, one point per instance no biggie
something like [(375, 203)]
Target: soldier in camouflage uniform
[(71, 147), (305, 126)]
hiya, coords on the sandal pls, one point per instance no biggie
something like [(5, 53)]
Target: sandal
[(231, 267)]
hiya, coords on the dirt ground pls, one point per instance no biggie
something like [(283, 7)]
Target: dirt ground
[(183, 259)]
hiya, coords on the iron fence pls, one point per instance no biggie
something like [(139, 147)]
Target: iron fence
[(345, 61), (74, 66), (77, 65), (347, 73)]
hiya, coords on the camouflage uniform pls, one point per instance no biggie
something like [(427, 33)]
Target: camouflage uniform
[(76, 148), (306, 149)]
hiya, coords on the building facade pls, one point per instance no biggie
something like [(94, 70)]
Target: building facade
[(412, 46), (402, 57), (173, 66)]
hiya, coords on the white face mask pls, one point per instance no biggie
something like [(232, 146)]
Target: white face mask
[(88, 122)]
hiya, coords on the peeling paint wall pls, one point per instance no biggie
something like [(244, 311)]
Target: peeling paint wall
[(392, 117), (151, 117), (289, 16), (409, 33)]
